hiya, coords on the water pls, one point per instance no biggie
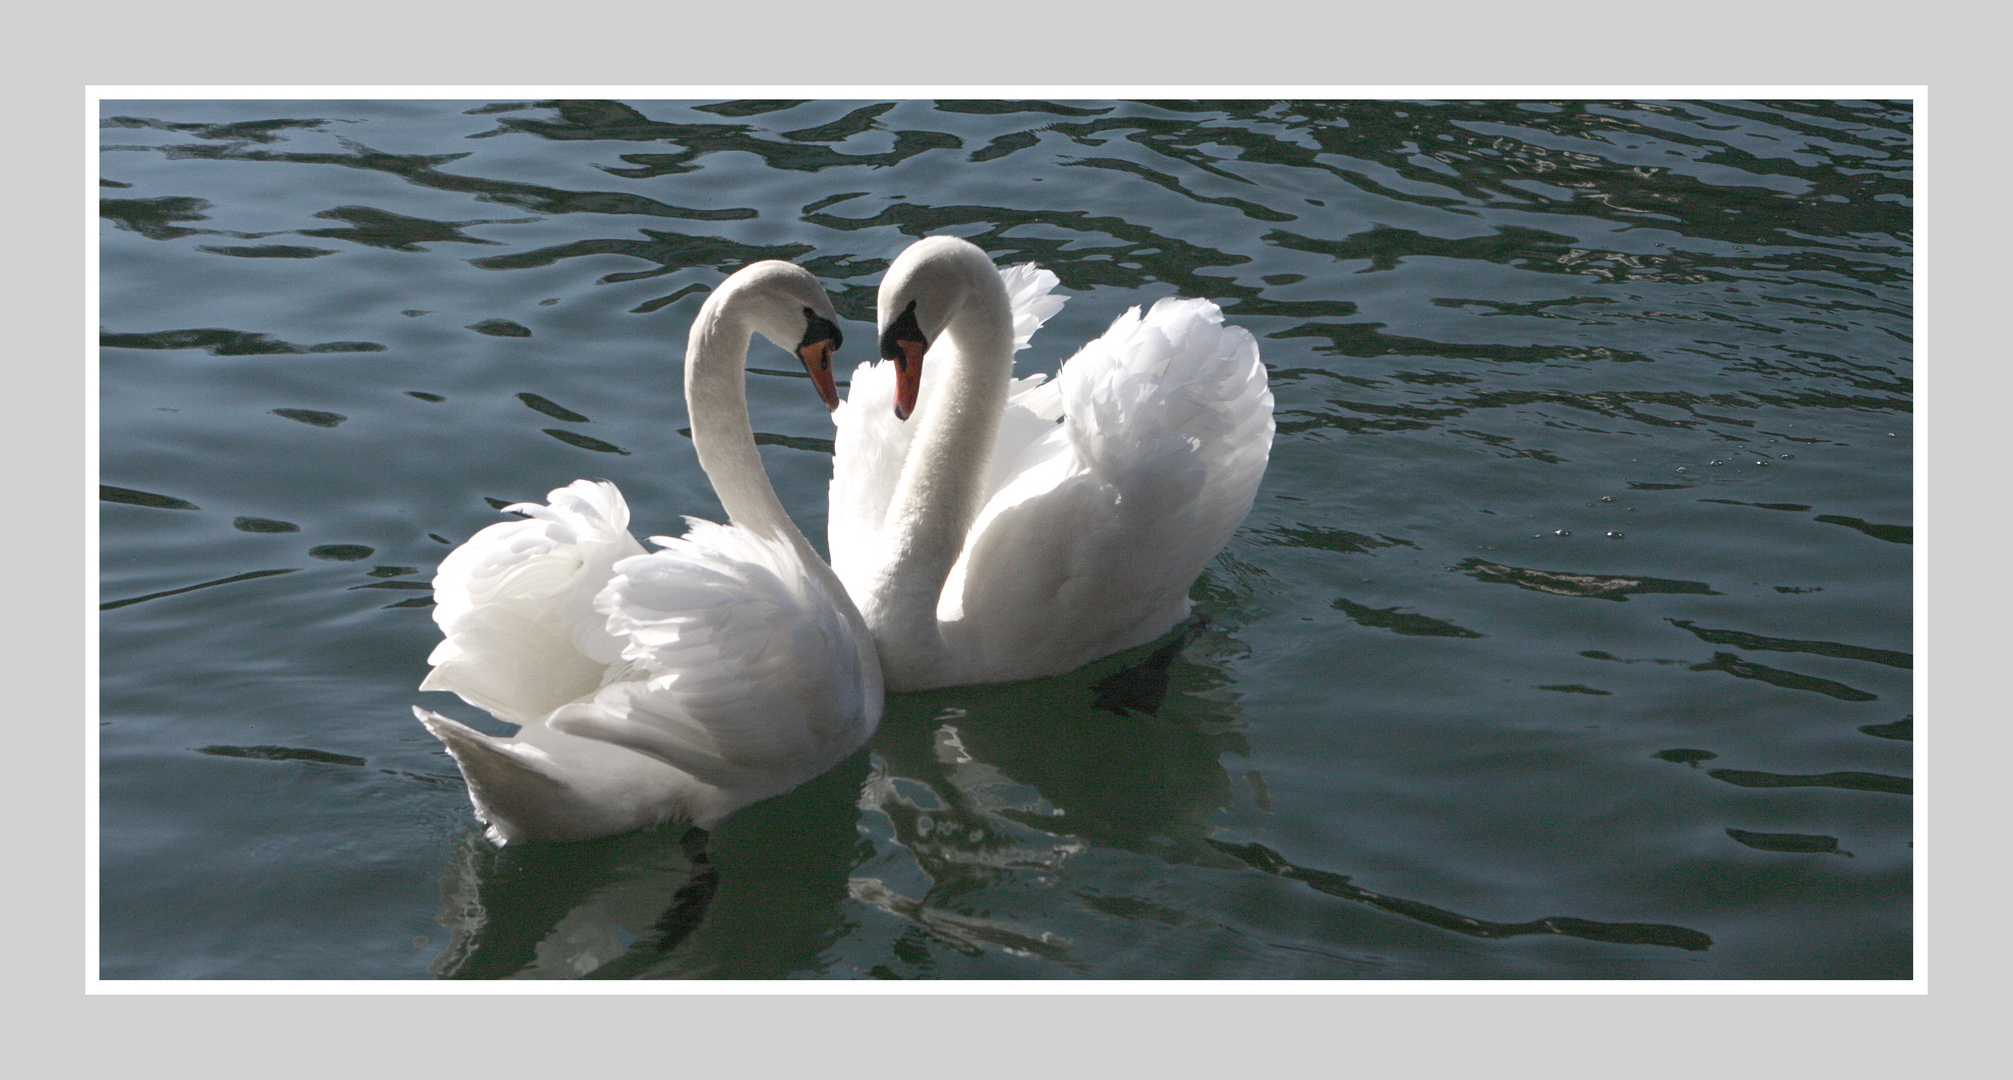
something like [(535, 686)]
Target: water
[(1569, 637)]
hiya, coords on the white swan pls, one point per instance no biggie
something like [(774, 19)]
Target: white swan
[(1019, 528), (682, 684)]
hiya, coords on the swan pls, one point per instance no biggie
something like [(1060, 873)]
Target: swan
[(682, 684), (1020, 528)]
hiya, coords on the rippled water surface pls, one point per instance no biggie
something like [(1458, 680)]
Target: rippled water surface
[(1570, 635)]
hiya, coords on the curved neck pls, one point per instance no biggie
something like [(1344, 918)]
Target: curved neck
[(716, 399), (941, 488)]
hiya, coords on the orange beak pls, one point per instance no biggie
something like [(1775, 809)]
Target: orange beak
[(908, 377), (817, 358), (904, 343)]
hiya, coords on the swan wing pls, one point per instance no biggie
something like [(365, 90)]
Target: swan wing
[(1174, 375), (738, 664), (1031, 294), (1092, 543), (515, 604), (867, 453)]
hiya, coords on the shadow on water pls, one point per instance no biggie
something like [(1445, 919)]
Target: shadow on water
[(979, 787), (972, 789)]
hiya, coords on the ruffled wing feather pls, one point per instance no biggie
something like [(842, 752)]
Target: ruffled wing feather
[(868, 449), (1093, 544), (737, 664), (515, 604)]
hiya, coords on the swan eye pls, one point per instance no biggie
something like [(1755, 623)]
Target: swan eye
[(819, 329), (820, 338), (903, 338)]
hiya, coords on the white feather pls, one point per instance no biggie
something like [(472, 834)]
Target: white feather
[(675, 685), (1090, 530)]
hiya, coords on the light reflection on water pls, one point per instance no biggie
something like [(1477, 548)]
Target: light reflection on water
[(1569, 637)]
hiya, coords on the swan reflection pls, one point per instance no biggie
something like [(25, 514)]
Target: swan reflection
[(998, 787), (759, 897), (997, 824), (562, 911)]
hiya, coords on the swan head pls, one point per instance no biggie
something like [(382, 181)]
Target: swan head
[(790, 308), (924, 290)]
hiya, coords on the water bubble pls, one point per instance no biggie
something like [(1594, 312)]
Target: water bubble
[(1614, 534)]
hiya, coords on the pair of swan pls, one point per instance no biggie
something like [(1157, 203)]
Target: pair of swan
[(1014, 529)]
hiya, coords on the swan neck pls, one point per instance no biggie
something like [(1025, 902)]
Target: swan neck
[(941, 489), (716, 398)]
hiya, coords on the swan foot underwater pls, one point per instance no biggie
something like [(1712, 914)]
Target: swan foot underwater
[(982, 528)]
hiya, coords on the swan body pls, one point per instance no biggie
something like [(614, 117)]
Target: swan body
[(1020, 528), (681, 684)]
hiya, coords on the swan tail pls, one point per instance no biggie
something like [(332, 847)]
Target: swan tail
[(543, 785), (515, 604), (514, 792)]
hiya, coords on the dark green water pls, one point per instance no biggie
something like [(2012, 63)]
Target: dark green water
[(1570, 636)]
